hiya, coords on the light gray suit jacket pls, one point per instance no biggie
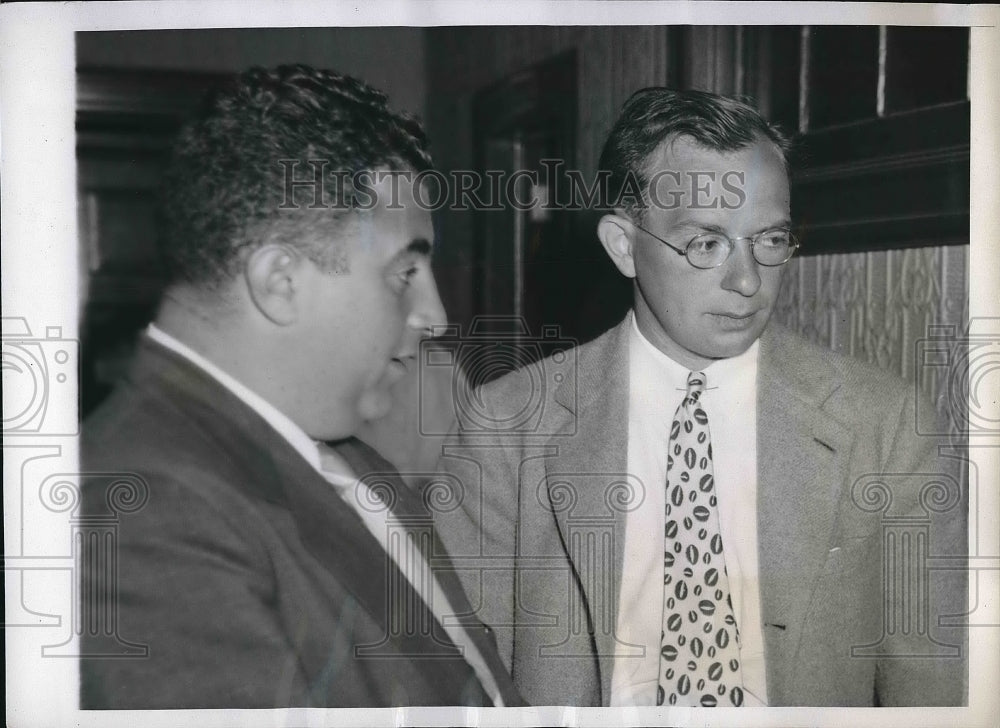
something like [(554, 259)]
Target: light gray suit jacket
[(851, 503)]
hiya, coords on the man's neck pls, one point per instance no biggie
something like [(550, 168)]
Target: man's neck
[(649, 331), (724, 367), (209, 330)]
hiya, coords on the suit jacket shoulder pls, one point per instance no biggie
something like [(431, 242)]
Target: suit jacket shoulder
[(818, 368)]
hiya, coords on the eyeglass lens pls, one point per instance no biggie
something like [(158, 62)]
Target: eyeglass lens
[(772, 247)]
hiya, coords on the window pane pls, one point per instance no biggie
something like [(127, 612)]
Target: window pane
[(925, 66), (843, 74)]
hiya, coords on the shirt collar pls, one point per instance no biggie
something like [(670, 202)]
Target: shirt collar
[(295, 435), (657, 365)]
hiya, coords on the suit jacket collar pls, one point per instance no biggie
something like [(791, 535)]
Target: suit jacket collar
[(600, 363)]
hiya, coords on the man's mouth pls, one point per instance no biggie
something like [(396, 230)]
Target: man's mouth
[(734, 320)]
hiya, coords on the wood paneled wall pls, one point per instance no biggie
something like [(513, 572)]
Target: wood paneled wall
[(886, 307), (612, 63)]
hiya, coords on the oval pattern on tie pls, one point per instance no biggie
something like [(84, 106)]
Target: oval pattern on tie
[(701, 621)]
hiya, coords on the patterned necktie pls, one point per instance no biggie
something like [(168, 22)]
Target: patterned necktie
[(699, 641)]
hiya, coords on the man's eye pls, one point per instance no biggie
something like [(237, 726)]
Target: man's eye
[(406, 275), (708, 243), (774, 239)]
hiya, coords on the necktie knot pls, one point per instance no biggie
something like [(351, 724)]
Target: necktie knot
[(695, 385)]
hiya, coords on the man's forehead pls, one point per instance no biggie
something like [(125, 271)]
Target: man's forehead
[(395, 231), (689, 184), (686, 154)]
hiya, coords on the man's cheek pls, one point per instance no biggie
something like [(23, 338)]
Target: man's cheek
[(772, 281)]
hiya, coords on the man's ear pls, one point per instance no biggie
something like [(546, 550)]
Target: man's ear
[(615, 232), (273, 278)]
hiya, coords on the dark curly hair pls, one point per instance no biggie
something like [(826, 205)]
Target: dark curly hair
[(223, 190), (654, 115)]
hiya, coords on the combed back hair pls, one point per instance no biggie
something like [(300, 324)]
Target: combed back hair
[(654, 115), (224, 188)]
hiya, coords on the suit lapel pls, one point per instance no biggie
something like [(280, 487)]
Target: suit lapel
[(802, 453), (594, 462), (366, 462), (337, 538)]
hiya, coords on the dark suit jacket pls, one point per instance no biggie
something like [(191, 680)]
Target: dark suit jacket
[(249, 579), (840, 470)]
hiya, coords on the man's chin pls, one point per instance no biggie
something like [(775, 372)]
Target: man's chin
[(730, 344), (379, 395), (374, 404)]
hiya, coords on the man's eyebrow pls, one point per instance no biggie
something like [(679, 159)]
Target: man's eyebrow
[(417, 247), (712, 228), (696, 225)]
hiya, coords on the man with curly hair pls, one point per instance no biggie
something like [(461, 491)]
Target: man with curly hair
[(262, 572)]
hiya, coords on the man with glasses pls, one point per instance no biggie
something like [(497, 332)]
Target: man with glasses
[(689, 523)]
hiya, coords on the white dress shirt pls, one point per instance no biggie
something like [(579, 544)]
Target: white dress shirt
[(354, 492), (657, 384)]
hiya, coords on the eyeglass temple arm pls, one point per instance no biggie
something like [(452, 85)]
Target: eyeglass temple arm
[(673, 247)]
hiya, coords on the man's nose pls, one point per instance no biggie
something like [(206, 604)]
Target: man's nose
[(742, 271), (428, 311)]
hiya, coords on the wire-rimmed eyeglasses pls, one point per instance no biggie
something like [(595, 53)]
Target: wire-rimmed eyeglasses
[(710, 250)]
